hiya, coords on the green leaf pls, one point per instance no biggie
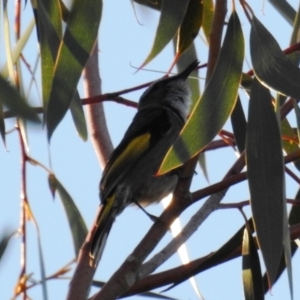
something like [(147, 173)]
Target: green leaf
[(216, 104), (239, 125), (2, 123), (49, 22), (76, 222), (190, 26), (207, 19), (171, 17), (295, 56), (287, 252), (4, 240), (294, 218), (271, 66), (297, 112), (285, 9), (84, 17), (12, 99), (42, 266), (184, 60), (157, 4), (22, 41), (265, 171), (78, 116), (252, 278)]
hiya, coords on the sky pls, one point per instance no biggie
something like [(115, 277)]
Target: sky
[(125, 39)]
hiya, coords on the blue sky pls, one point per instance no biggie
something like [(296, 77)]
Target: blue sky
[(123, 43)]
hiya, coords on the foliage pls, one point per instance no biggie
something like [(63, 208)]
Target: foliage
[(265, 142)]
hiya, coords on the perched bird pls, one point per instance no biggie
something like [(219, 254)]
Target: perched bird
[(130, 174)]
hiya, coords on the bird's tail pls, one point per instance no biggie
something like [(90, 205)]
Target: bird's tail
[(104, 223)]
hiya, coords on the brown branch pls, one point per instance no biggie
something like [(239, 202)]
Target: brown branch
[(219, 186), (24, 206), (95, 113), (128, 272), (234, 178), (108, 97), (83, 275), (215, 36), (292, 174), (181, 273), (239, 205), (213, 145)]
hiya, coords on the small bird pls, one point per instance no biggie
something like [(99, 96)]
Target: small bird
[(130, 174)]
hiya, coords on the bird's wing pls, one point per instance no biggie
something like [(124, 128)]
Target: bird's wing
[(147, 127)]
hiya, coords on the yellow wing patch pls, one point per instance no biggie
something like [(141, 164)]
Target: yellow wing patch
[(103, 216), (134, 149)]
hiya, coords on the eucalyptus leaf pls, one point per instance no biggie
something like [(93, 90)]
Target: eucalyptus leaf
[(207, 19), (216, 104), (172, 14), (73, 54), (76, 222), (49, 28), (190, 26), (271, 66), (265, 171), (78, 116), (12, 99), (2, 123), (239, 125), (252, 277)]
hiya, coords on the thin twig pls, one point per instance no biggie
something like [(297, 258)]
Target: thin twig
[(24, 205), (292, 174)]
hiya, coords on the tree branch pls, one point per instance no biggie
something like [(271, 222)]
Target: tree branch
[(83, 275)]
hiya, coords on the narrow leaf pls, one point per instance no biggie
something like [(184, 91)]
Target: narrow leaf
[(295, 56), (252, 278), (171, 17), (22, 41), (2, 123), (49, 22), (297, 112), (217, 102), (76, 222), (73, 55), (294, 218), (157, 4), (12, 99), (42, 266), (239, 125), (184, 60), (271, 66), (208, 14), (4, 240), (78, 116), (287, 250), (190, 26), (285, 9), (266, 176), (231, 249)]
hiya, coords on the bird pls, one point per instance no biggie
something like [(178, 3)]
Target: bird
[(130, 175)]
